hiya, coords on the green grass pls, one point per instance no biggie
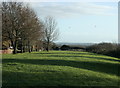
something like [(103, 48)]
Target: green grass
[(60, 68)]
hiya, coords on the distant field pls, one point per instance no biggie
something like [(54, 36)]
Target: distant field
[(60, 68)]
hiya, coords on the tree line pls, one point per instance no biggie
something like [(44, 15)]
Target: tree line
[(22, 27)]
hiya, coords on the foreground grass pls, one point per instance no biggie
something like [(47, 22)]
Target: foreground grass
[(60, 68)]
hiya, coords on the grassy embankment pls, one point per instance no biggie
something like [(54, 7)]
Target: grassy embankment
[(60, 68)]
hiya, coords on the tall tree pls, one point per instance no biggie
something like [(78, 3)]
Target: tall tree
[(0, 27), (20, 23), (10, 22), (32, 29), (50, 31)]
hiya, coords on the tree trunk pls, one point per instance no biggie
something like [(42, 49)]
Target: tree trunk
[(15, 47), (36, 48), (29, 48), (21, 47), (47, 48)]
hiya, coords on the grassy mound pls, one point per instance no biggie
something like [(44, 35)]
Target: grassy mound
[(60, 68)]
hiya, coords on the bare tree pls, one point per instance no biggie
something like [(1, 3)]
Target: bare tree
[(10, 22), (32, 29), (50, 31), (0, 26), (20, 23)]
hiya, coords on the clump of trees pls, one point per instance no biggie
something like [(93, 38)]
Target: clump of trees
[(72, 47), (105, 49), (22, 27), (65, 47)]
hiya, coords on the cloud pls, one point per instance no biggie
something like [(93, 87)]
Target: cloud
[(72, 9), (71, 0), (62, 0)]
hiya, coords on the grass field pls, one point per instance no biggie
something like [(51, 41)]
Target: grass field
[(60, 68)]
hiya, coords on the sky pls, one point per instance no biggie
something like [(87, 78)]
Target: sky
[(82, 22)]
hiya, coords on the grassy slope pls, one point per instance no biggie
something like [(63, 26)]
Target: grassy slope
[(60, 68)]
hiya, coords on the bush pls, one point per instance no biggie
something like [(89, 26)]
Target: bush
[(105, 49), (65, 47)]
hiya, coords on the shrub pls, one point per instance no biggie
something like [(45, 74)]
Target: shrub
[(105, 48), (65, 47)]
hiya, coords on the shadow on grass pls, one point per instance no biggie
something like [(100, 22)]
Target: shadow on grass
[(46, 79), (94, 66)]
